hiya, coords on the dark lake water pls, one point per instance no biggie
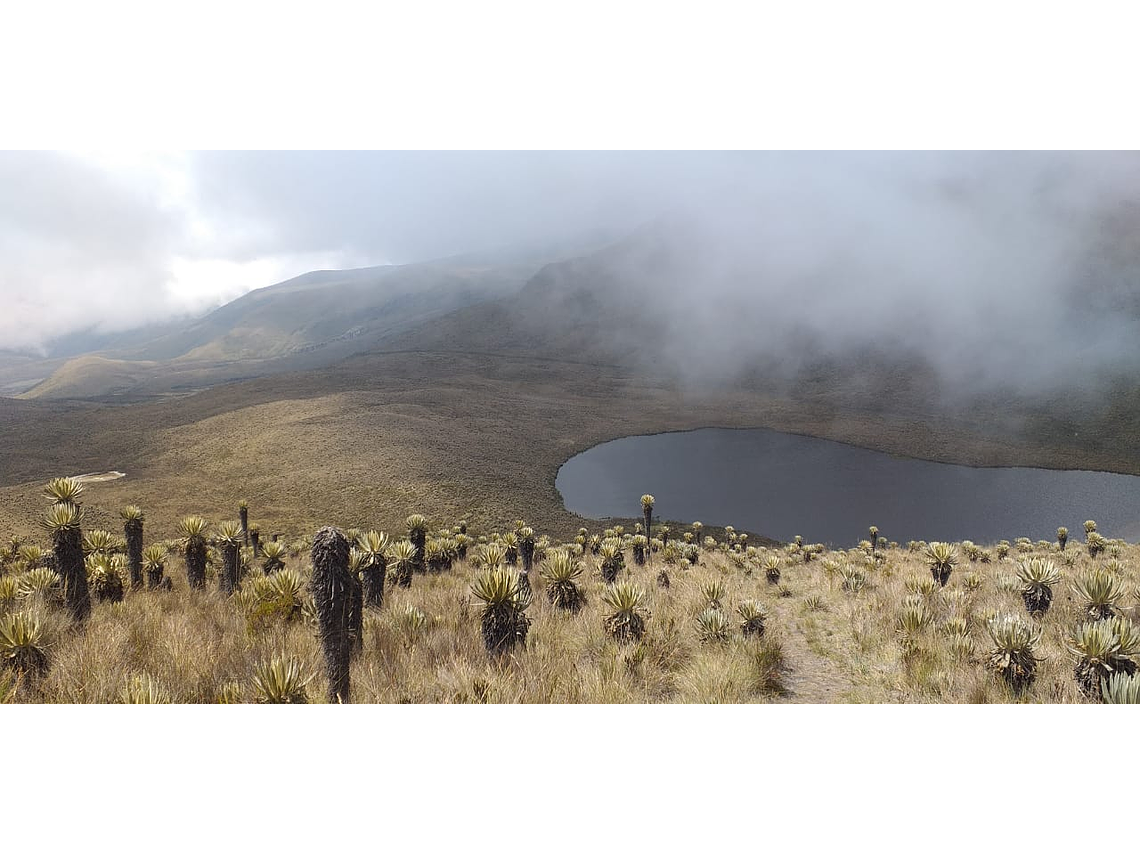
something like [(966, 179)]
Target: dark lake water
[(780, 485)]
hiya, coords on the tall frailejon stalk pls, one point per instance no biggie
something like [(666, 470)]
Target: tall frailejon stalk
[(1062, 537), (640, 544), (63, 522), (355, 601), (526, 547), (255, 539), (243, 518), (332, 589), (417, 534), (133, 531), (193, 531), (647, 514), (374, 547), (229, 539)]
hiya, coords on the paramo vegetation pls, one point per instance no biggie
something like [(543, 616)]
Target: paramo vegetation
[(440, 613)]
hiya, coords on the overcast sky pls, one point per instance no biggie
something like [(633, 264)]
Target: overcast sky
[(109, 241)]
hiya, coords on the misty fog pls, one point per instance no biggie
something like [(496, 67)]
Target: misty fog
[(995, 268)]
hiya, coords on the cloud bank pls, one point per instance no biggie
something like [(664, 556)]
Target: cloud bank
[(984, 263)]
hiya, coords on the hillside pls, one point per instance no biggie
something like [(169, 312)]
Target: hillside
[(472, 410)]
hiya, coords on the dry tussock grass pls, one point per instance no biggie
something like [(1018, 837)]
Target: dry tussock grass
[(822, 643)]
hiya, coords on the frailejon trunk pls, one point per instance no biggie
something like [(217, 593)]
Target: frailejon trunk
[(373, 577), (355, 615), (255, 538), (196, 563), (243, 516), (68, 547), (229, 578), (133, 530), (648, 519), (331, 586), (419, 541)]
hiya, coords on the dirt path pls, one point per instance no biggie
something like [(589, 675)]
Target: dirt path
[(98, 477), (809, 677)]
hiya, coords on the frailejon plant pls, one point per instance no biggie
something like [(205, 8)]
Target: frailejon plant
[(772, 569), (22, 643), (42, 584), (417, 535), (1013, 655), (143, 689), (133, 532), (526, 548), (32, 556), (1062, 538), (403, 561), (712, 592), (273, 557), (753, 616), (374, 548), (503, 621), (98, 542), (9, 591), (229, 538), (713, 626), (647, 515), (1103, 648), (1121, 689), (1100, 592), (64, 491), (612, 560), (510, 543), (560, 570), (331, 585), (912, 622), (942, 558), (193, 530), (103, 579), (1037, 577), (243, 521), (626, 614), (154, 564), (640, 544), (63, 523), (853, 578), (281, 680)]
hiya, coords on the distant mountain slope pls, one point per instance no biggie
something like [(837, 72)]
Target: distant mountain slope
[(307, 322)]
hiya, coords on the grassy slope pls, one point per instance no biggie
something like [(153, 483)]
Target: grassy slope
[(376, 437)]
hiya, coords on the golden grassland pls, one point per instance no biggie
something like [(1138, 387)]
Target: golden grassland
[(824, 641)]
